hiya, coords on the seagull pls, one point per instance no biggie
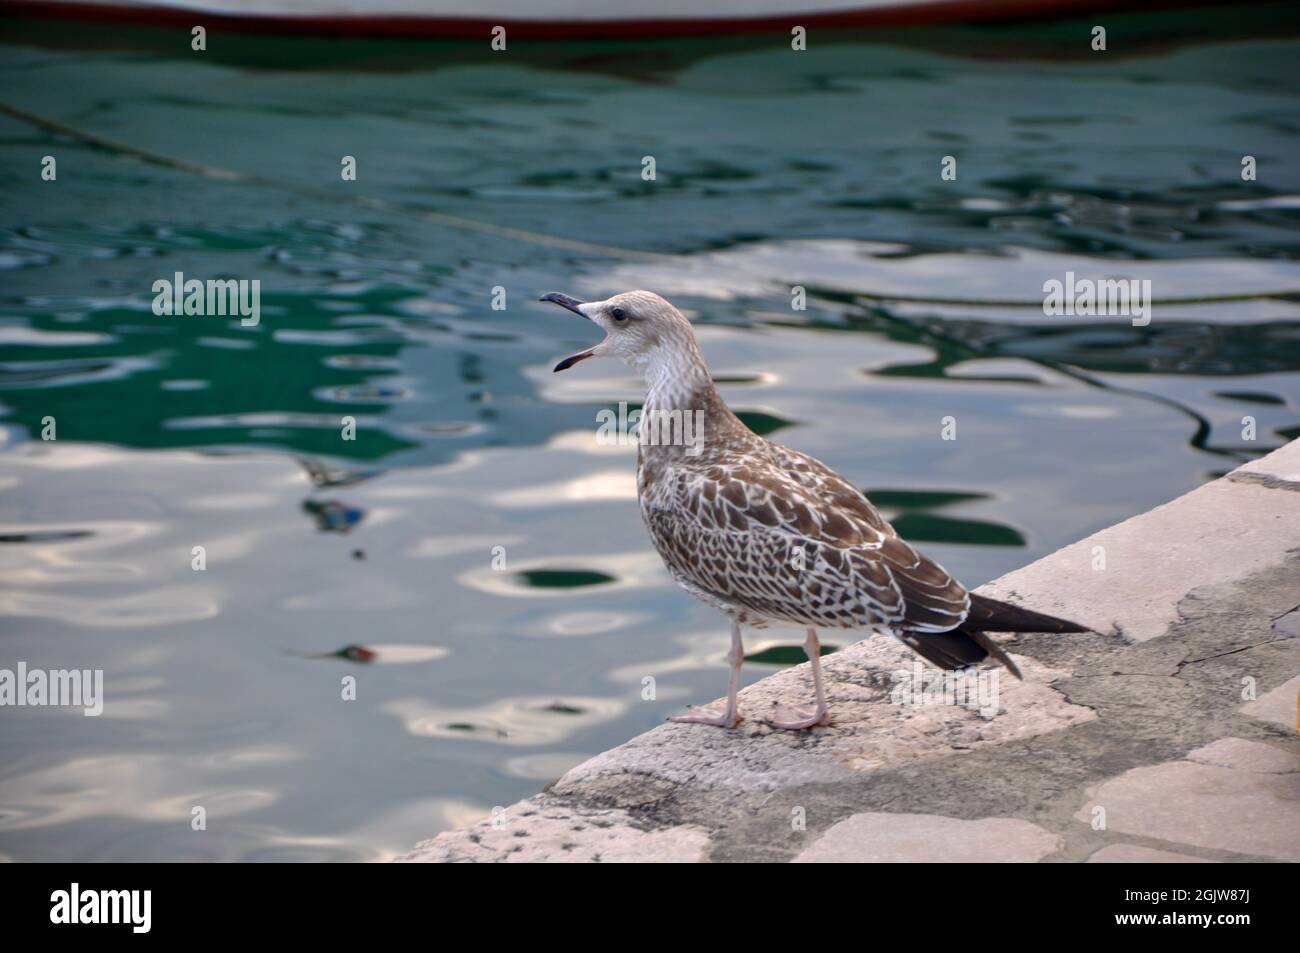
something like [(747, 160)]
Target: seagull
[(768, 535)]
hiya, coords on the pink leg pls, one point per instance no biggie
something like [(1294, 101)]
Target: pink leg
[(729, 717), (794, 719)]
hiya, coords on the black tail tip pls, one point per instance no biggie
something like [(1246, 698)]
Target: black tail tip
[(996, 616)]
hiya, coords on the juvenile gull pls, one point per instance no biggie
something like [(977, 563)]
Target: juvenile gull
[(767, 534)]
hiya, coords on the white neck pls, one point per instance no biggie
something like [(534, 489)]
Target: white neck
[(677, 378)]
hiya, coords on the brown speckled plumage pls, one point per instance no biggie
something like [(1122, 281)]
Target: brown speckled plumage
[(767, 534)]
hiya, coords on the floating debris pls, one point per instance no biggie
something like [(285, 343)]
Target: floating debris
[(396, 654), (332, 516), (324, 474)]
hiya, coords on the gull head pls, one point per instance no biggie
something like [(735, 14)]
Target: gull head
[(641, 330)]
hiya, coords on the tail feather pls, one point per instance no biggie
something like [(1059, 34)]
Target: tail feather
[(948, 650), (969, 645), (990, 615), (996, 651)]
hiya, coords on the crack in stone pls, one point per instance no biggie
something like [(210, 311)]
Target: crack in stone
[(1244, 648), (1266, 480)]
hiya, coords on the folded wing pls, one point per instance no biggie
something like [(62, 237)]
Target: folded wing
[(789, 539)]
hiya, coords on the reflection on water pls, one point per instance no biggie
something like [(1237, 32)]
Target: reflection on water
[(388, 635), (785, 655), (508, 721), (912, 513), (564, 578)]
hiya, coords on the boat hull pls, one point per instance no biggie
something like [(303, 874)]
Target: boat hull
[(557, 19)]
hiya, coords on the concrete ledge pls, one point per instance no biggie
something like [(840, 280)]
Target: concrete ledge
[(1168, 734)]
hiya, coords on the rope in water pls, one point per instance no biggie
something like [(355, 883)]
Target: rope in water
[(227, 175), (519, 234)]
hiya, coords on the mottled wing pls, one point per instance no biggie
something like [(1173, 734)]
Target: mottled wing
[(785, 537)]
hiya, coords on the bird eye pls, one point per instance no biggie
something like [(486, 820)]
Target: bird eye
[(618, 314)]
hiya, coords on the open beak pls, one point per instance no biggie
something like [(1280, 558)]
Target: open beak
[(574, 305)]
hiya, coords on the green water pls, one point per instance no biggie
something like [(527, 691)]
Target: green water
[(374, 557)]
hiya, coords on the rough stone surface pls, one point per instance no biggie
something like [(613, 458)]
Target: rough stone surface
[(929, 838), (1149, 718), (869, 731), (1248, 756), (1152, 561), (1233, 795), (1281, 706), (532, 832), (1132, 854)]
